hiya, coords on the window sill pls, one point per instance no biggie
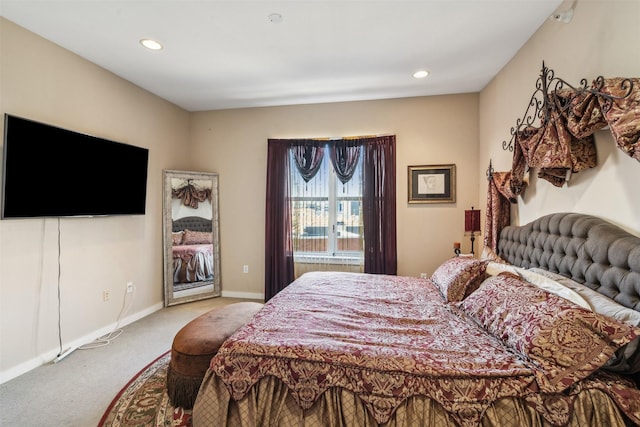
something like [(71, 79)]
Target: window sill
[(328, 259)]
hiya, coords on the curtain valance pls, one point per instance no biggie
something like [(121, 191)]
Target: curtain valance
[(344, 158), (344, 155), (308, 157)]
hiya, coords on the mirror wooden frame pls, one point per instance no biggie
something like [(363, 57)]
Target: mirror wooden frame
[(211, 287)]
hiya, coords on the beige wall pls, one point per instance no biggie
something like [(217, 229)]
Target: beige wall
[(429, 130), (602, 39), (41, 81)]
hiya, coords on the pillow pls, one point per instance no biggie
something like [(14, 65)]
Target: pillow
[(177, 237), (554, 287), (541, 281), (458, 277), (495, 268), (598, 302), (196, 237), (564, 343), (489, 254), (627, 359)]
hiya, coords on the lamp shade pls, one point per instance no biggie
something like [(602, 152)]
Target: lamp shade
[(472, 220)]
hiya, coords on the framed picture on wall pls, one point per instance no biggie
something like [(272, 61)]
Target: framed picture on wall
[(432, 184)]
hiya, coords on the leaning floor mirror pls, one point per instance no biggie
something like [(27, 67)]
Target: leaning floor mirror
[(191, 236)]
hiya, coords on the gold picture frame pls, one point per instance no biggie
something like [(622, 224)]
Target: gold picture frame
[(432, 184)]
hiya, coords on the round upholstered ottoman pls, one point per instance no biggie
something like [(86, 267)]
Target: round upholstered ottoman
[(196, 343)]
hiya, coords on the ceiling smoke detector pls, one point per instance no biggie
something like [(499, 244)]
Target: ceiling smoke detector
[(275, 18)]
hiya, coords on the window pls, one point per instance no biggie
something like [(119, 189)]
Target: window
[(326, 215), (376, 211)]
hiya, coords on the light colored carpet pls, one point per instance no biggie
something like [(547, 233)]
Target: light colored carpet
[(76, 391)]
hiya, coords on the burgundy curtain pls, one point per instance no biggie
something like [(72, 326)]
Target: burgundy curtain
[(278, 241), (345, 154), (379, 205)]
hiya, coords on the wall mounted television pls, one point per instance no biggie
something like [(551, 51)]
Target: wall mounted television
[(53, 172)]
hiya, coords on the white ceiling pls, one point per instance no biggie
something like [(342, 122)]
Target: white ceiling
[(228, 54)]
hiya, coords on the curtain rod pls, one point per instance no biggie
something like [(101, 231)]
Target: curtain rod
[(333, 138)]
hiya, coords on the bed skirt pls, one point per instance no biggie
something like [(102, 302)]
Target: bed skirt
[(269, 403)]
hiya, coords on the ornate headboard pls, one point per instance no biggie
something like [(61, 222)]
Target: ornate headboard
[(193, 223), (584, 248)]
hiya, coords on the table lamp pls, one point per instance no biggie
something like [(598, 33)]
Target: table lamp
[(472, 224)]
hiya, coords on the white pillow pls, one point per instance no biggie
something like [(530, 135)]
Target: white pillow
[(554, 287), (600, 303), (543, 282), (495, 268)]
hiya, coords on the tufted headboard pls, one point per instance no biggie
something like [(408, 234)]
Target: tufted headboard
[(584, 248), (193, 223)]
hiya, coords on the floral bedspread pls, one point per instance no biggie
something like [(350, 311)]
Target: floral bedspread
[(384, 338), (192, 263)]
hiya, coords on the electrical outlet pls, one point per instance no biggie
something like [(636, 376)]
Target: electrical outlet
[(245, 268), (423, 275), (106, 295), (130, 287)]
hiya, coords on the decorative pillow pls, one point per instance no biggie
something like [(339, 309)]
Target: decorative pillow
[(458, 277), (177, 237), (196, 237), (627, 359), (564, 343)]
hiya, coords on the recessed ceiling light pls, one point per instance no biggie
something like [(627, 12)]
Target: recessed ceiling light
[(421, 74), (151, 44)]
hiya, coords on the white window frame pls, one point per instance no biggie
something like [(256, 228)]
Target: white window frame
[(332, 255)]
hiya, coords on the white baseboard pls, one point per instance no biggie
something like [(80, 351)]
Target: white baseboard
[(51, 356), (245, 295)]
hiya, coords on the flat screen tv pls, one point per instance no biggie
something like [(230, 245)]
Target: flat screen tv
[(53, 172)]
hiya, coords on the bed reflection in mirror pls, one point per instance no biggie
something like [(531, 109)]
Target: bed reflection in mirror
[(191, 243)]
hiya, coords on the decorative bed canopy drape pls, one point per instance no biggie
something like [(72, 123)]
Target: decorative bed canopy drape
[(556, 136), (191, 194), (498, 215), (556, 131)]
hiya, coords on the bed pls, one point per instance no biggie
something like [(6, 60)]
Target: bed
[(192, 250), (517, 338)]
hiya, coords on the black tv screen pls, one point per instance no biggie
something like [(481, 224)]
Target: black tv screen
[(53, 172)]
